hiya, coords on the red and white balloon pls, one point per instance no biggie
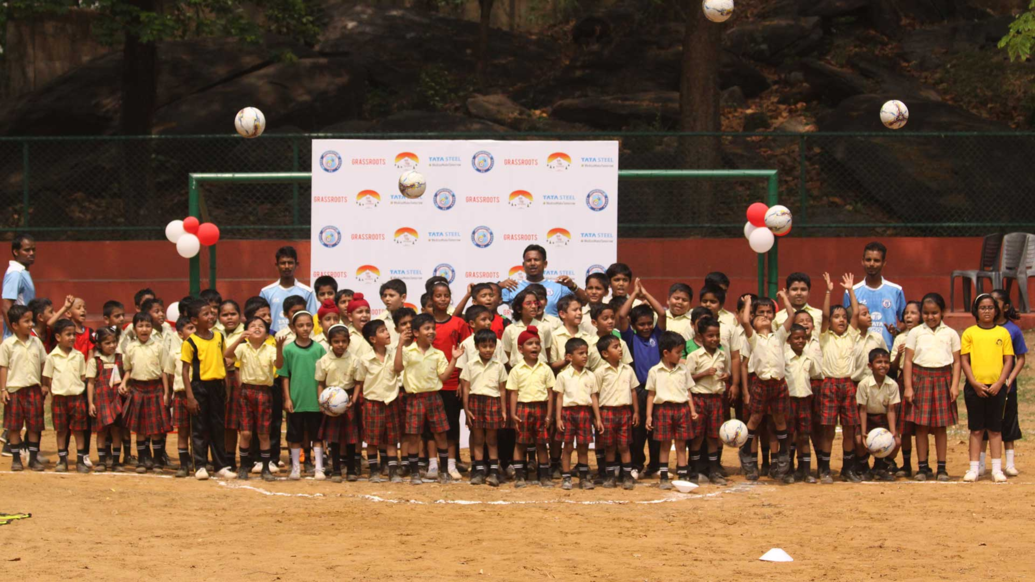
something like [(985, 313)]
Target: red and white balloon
[(764, 224), (189, 235)]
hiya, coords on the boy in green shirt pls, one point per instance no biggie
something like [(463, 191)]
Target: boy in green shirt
[(301, 398)]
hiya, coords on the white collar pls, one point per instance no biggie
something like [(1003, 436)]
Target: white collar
[(15, 266)]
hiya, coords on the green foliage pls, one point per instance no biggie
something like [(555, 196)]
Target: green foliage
[(438, 89), (1021, 38)]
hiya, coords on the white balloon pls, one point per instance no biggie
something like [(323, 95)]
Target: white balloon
[(172, 313), (748, 229), (174, 230), (761, 240), (189, 245)]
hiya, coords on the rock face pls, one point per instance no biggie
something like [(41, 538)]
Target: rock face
[(621, 111), (772, 41)]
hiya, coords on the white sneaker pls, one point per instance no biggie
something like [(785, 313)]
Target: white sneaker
[(635, 475), (1011, 471), (296, 473), (86, 461), (998, 477), (201, 474), (970, 477), (319, 476), (256, 468), (280, 464), (274, 468), (432, 474), (40, 457), (226, 473), (456, 476), (982, 470)]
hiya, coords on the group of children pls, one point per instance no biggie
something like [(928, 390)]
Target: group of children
[(613, 368)]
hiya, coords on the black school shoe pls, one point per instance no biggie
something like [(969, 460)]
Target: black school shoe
[(81, 468)]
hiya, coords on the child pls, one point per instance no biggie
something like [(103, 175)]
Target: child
[(709, 367), (619, 277), (63, 376), (1011, 427), (403, 322), (180, 415), (104, 372), (482, 384), (670, 411), (531, 407), (21, 364), (799, 286), (212, 297), (876, 395), (932, 377), (393, 295), (292, 305), (524, 310), (478, 318), (342, 299), (328, 317), (603, 318), (986, 357), (870, 338), (576, 390), (382, 402), (721, 281), (550, 322), (450, 331), (258, 362), (358, 312), (325, 287), (696, 315), (426, 368), (114, 314), (569, 308), (596, 291), (910, 319), (148, 414), (230, 326), (44, 318), (300, 392), (804, 382), (678, 314), (204, 376), (619, 408), (83, 334), (641, 334), (339, 368)]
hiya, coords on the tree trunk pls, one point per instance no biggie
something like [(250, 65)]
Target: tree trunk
[(699, 109), (483, 39), (513, 15), (136, 116)]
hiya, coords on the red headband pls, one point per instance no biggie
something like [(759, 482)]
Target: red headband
[(531, 332)]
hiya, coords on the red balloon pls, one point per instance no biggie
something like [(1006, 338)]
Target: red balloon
[(208, 234), (755, 214), (190, 224)]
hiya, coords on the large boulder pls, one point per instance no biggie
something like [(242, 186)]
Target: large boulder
[(927, 47), (833, 84), (498, 109), (772, 41), (648, 109)]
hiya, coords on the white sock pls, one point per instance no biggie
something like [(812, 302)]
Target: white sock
[(432, 464), (1009, 458), (981, 461), (974, 466), (997, 466), (452, 465), (318, 457), (295, 459)]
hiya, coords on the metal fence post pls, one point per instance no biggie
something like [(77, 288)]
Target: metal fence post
[(774, 253), (803, 194), (212, 267), (25, 184), (294, 188), (195, 261)]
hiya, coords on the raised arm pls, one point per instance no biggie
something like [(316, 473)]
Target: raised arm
[(745, 317), (782, 295), (69, 300), (623, 311), (654, 304), (848, 282), (826, 303)]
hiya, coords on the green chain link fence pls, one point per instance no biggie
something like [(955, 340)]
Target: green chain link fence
[(837, 184)]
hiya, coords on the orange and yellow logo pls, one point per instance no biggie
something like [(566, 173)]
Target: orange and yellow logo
[(406, 160), (558, 236), (368, 199), (521, 198), (558, 161), (517, 273), (406, 236), (368, 274), (411, 306)]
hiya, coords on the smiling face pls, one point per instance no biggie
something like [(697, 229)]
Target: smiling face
[(805, 320), (880, 366), (797, 341), (932, 314), (679, 303), (711, 338), (533, 264), (426, 334), (440, 298)]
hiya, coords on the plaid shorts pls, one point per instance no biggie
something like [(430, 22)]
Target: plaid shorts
[(578, 424), (254, 408), (148, 415), (876, 421), (109, 406), (768, 396), (672, 422), (617, 421), (25, 409), (817, 406), (709, 409), (838, 400), (180, 414), (70, 412), (382, 423), (425, 407), (531, 426), (487, 412), (233, 406), (931, 403), (343, 428), (799, 422)]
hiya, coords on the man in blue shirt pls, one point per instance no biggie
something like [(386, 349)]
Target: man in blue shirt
[(276, 293), (533, 261), (884, 298), (18, 287)]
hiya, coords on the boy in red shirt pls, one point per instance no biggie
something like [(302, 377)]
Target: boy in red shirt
[(449, 332)]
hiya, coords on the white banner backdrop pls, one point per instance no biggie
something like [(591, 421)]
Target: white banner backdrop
[(485, 202)]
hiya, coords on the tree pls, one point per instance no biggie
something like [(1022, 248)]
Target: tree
[(485, 8), (1021, 38)]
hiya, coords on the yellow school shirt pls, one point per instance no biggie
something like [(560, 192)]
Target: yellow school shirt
[(322, 340), (66, 372), (933, 348), (577, 388), (700, 360), (877, 399), (257, 366), (837, 352), (766, 360), (532, 383), (143, 362), (285, 332), (728, 318), (91, 366), (171, 365), (669, 385), (471, 352), (485, 377), (587, 321), (615, 386), (359, 347), (861, 354), (559, 340), (23, 360), (335, 371), (597, 361), (229, 338), (680, 324), (986, 347), (380, 382), (510, 345), (799, 373), (421, 370), (815, 353), (900, 342), (210, 354), (815, 312), (386, 316)]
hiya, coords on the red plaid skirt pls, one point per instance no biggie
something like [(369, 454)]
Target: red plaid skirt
[(817, 406), (343, 428), (838, 399), (232, 416), (25, 409), (124, 402), (254, 408), (709, 415), (578, 424), (109, 406), (147, 414), (931, 403), (425, 407), (531, 425), (70, 412), (768, 396), (487, 412), (382, 423), (672, 422), (799, 422), (617, 421), (180, 414)]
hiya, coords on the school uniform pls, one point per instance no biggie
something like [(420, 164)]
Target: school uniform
[(68, 404), (708, 391), (559, 341), (471, 352), (24, 362), (904, 426), (987, 349), (680, 324), (343, 372), (933, 351), (798, 374), (422, 384), (586, 325), (815, 312), (510, 345), (878, 400), (208, 386), (257, 375), (386, 316), (1011, 424), (615, 391), (484, 400), (147, 415), (867, 342), (533, 385), (382, 406), (598, 359), (106, 398), (576, 389), (766, 366), (837, 397), (670, 389), (174, 367), (728, 318)]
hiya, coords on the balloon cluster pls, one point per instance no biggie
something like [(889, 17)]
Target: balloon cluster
[(764, 224), (189, 234)]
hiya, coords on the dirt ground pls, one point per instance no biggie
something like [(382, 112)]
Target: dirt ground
[(130, 527)]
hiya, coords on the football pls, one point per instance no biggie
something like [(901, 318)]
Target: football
[(412, 184), (778, 219), (880, 442), (733, 433), (717, 10), (894, 114), (334, 400), (250, 122)]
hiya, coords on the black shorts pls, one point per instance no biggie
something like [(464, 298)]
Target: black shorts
[(1011, 423), (302, 425), (451, 402), (985, 413)]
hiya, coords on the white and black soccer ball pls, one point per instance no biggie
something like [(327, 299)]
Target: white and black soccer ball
[(894, 114), (334, 400), (250, 122), (717, 10), (733, 433), (880, 442), (412, 184)]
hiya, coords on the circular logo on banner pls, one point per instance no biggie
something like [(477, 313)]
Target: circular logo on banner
[(330, 236), (482, 236), (596, 200), (482, 162), (596, 269), (445, 199), (330, 161), (445, 270)]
